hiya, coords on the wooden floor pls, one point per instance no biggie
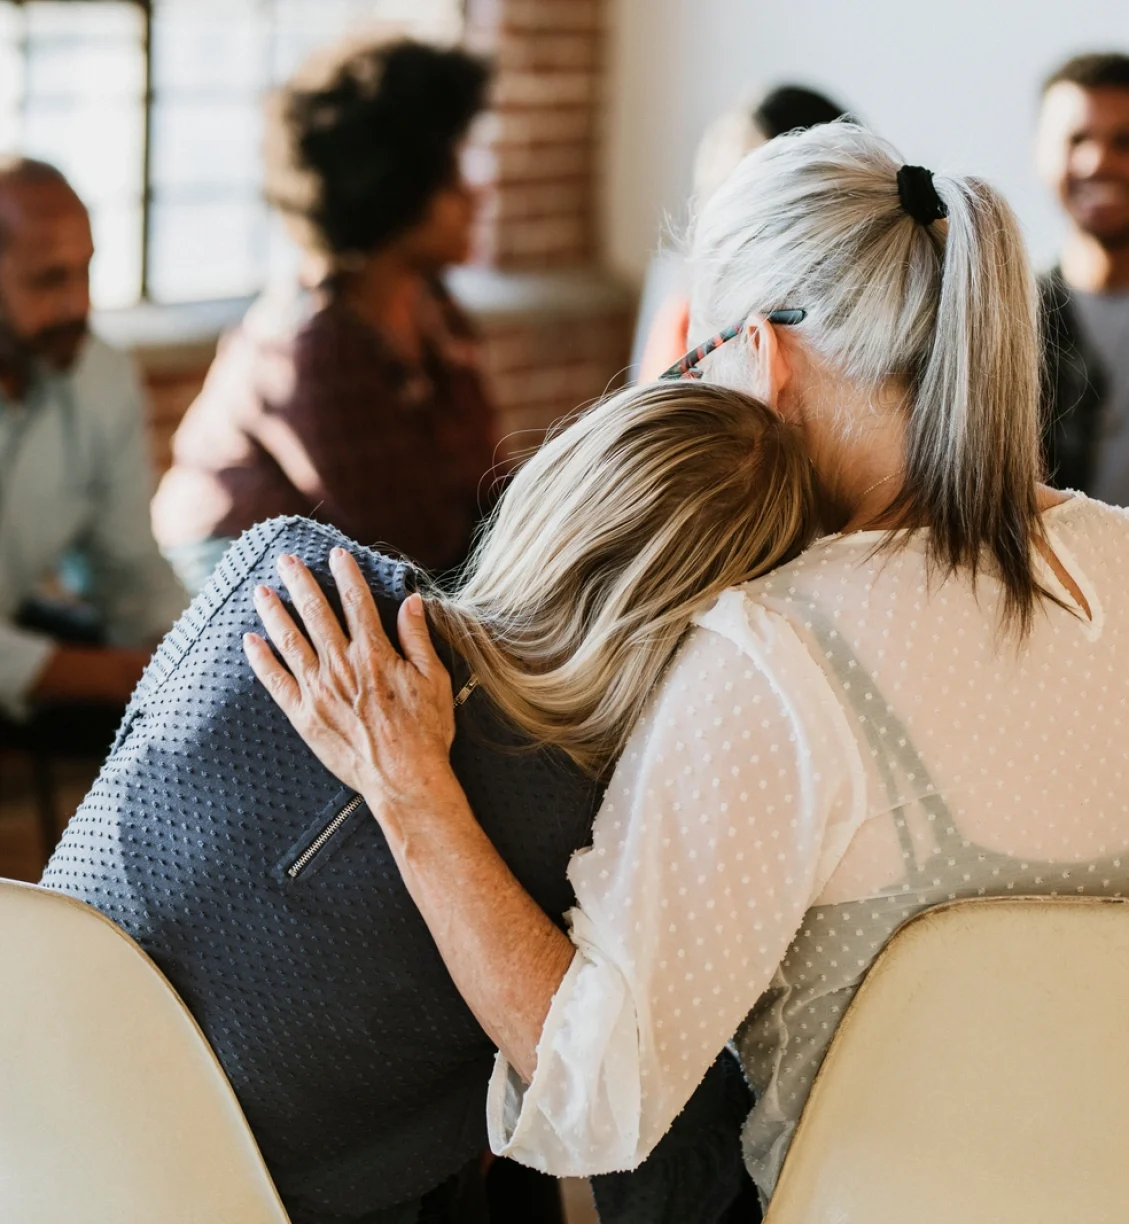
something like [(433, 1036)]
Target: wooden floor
[(22, 852)]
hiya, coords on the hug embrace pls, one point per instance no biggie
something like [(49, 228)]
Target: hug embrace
[(749, 665)]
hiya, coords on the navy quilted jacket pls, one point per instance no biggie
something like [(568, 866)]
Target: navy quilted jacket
[(266, 892)]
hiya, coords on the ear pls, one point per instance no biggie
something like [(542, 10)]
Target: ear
[(772, 370)]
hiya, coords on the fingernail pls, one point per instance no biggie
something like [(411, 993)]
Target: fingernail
[(284, 561), (337, 554), (250, 639), (263, 592), (415, 603)]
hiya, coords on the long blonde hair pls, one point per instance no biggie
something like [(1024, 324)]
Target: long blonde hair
[(814, 220), (608, 541)]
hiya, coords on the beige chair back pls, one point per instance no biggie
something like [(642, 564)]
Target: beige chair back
[(980, 1075), (113, 1108)]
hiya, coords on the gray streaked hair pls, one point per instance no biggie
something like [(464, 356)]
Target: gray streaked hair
[(608, 541), (813, 220)]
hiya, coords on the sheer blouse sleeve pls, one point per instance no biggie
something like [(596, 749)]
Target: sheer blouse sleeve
[(732, 803)]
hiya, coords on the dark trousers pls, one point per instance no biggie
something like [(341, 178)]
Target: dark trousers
[(64, 728), (71, 729), (507, 1193), (58, 730), (696, 1174)]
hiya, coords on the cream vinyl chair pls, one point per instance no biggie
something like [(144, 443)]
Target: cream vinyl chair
[(980, 1075), (113, 1108)]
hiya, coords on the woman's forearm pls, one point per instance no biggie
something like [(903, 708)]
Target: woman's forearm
[(506, 957)]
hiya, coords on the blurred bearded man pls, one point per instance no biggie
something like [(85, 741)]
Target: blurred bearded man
[(74, 484), (1083, 156)]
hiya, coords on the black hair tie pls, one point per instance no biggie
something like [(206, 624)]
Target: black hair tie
[(918, 195)]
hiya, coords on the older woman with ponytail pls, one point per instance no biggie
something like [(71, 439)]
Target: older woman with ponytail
[(928, 703)]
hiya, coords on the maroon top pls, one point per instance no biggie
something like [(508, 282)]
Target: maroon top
[(306, 410)]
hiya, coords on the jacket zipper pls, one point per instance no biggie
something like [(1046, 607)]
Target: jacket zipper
[(304, 859)]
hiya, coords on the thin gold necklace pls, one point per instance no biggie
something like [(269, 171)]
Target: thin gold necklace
[(871, 488)]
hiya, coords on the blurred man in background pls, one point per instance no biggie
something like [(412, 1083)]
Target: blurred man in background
[(74, 481), (1083, 155), (360, 401)]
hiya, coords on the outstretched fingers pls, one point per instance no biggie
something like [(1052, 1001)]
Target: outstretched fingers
[(289, 641), (322, 625), (415, 640), (381, 722), (272, 675), (361, 617)]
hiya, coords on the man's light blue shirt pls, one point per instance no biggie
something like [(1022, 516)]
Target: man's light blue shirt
[(75, 475)]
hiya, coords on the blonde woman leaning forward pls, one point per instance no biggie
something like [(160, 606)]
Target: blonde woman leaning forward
[(929, 703)]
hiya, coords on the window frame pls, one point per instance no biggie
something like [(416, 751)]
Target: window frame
[(148, 99)]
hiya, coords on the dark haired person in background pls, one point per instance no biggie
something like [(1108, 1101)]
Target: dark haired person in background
[(360, 402), (74, 482), (664, 308), (1083, 155)]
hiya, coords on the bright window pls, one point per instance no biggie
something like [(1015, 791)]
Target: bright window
[(153, 108)]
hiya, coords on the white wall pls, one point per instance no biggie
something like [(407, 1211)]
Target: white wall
[(953, 85)]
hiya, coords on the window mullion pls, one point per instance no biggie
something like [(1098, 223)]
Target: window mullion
[(146, 146)]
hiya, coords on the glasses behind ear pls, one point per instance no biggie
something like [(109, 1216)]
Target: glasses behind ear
[(687, 367)]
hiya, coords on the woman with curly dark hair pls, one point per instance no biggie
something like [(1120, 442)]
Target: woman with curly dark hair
[(360, 401)]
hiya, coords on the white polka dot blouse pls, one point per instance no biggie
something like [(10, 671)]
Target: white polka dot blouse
[(834, 748)]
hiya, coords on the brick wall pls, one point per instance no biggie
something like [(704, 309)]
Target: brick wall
[(171, 390), (535, 155), (537, 149), (541, 371)]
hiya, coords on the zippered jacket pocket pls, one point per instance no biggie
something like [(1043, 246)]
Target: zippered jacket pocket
[(320, 840)]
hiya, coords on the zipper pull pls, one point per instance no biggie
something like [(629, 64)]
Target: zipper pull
[(466, 690)]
